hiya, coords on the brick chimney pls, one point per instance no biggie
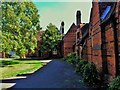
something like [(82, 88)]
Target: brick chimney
[(78, 18), (62, 27)]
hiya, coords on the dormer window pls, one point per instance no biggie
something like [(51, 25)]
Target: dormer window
[(106, 11)]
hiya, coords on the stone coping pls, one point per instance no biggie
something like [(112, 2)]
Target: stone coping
[(6, 85), (17, 77)]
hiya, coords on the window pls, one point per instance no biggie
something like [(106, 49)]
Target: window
[(106, 11)]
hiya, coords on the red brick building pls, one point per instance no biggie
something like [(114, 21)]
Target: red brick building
[(37, 52), (82, 30), (38, 37), (110, 43), (102, 44), (72, 37), (69, 39), (94, 41), (83, 33)]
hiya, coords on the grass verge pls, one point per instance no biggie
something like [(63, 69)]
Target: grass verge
[(11, 68)]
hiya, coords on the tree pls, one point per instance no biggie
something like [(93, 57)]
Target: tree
[(50, 38), (20, 20), (6, 47)]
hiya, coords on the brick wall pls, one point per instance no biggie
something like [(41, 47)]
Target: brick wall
[(119, 34), (110, 41), (103, 43), (109, 49), (94, 40), (76, 43), (69, 39), (118, 31), (37, 52)]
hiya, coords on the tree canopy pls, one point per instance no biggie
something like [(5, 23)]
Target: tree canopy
[(50, 38), (20, 22)]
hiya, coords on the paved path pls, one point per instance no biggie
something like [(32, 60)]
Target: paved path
[(56, 74)]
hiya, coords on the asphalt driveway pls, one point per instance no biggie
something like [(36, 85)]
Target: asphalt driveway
[(56, 74)]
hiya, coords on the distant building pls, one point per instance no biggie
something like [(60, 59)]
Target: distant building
[(81, 32), (37, 52), (60, 48), (38, 37), (69, 39), (73, 37), (78, 23)]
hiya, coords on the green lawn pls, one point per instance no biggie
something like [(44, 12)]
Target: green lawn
[(10, 68)]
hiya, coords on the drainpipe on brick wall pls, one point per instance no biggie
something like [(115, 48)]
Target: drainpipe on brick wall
[(82, 48), (116, 45), (119, 29), (91, 43)]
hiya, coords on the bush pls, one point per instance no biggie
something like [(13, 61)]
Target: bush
[(88, 71), (15, 56), (77, 59), (115, 84), (90, 74), (71, 58), (4, 63), (80, 66)]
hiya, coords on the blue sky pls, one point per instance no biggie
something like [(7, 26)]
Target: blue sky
[(55, 12)]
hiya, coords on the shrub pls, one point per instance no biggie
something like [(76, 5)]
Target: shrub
[(71, 58), (15, 56), (90, 74), (77, 59), (4, 63), (80, 66), (115, 84)]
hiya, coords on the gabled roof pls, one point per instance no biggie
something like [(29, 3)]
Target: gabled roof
[(82, 24), (70, 28), (84, 31)]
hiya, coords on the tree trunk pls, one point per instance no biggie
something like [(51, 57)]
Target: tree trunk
[(3, 54), (50, 54), (20, 57), (24, 56)]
